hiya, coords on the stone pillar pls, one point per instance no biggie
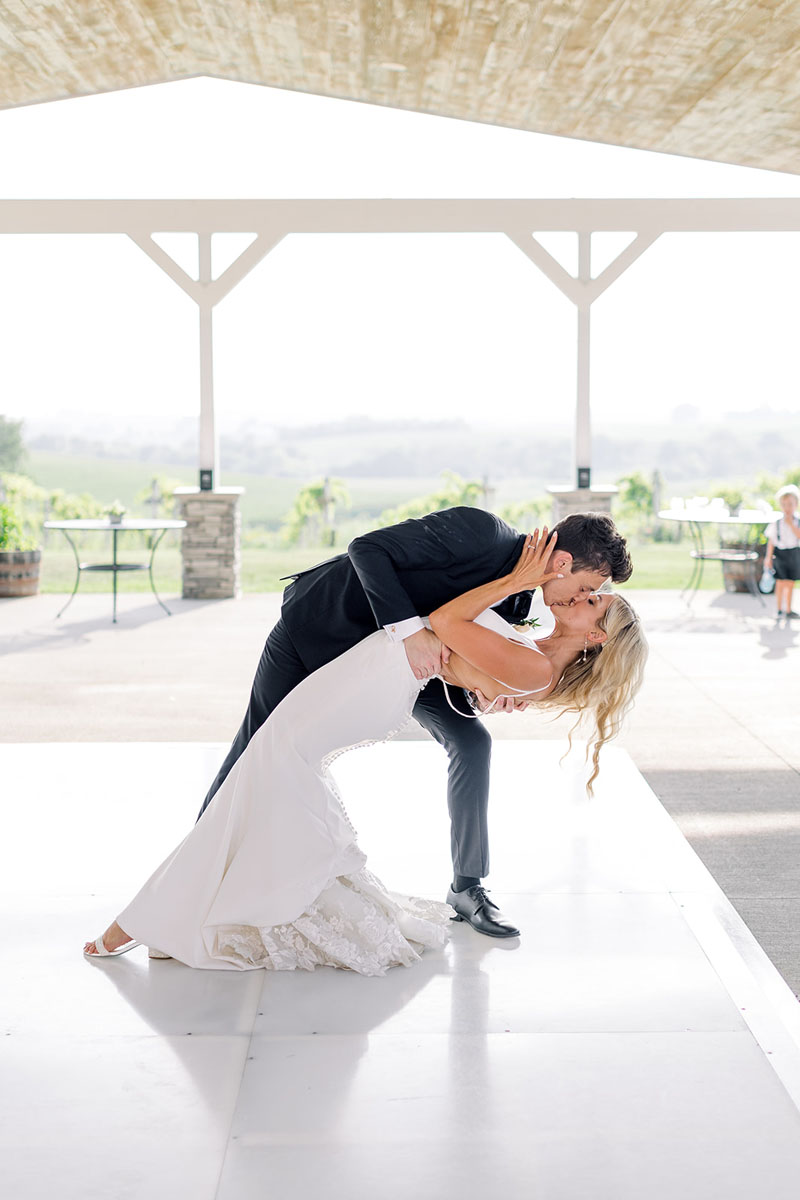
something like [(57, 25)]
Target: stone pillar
[(567, 500), (211, 543)]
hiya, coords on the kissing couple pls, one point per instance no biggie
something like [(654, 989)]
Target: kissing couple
[(415, 619)]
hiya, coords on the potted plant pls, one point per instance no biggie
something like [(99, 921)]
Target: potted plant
[(115, 512), (19, 556), (733, 497)]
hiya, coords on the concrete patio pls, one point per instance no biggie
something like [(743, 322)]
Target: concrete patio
[(714, 731), (636, 1040)]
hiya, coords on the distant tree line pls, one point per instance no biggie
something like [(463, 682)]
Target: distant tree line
[(362, 448)]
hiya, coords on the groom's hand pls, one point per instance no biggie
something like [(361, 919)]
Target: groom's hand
[(425, 653)]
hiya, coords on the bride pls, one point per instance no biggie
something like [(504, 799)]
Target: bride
[(271, 876)]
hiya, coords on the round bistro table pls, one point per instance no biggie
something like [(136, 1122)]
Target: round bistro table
[(114, 528)]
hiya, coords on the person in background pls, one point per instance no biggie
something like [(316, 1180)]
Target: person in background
[(783, 550)]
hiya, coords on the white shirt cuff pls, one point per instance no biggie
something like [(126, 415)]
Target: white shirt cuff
[(403, 629)]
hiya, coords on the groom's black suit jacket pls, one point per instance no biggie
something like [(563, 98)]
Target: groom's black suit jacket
[(402, 571)]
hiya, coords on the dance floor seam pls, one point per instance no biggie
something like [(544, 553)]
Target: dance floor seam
[(634, 1041)]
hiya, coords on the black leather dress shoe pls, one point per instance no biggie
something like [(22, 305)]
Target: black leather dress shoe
[(475, 907)]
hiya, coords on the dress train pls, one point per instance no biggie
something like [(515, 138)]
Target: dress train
[(271, 875)]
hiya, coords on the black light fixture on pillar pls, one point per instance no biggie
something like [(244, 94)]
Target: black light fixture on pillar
[(206, 480), (584, 477)]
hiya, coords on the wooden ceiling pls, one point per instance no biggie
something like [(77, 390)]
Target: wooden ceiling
[(713, 79)]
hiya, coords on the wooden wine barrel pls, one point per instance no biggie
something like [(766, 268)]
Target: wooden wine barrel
[(740, 576), (19, 572)]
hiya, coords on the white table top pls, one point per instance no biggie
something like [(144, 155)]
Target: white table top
[(97, 523), (713, 516)]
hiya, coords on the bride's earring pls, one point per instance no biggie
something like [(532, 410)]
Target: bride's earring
[(585, 643)]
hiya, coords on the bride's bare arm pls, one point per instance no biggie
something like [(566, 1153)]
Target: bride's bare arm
[(519, 667)]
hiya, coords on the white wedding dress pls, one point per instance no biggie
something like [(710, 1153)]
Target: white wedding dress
[(271, 875)]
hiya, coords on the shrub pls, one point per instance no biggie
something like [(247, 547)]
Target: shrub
[(13, 535)]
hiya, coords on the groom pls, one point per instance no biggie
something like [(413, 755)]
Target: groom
[(393, 577)]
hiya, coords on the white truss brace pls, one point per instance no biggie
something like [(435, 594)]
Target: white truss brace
[(272, 220), (207, 292), (582, 290)]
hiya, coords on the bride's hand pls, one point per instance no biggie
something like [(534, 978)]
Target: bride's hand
[(530, 569)]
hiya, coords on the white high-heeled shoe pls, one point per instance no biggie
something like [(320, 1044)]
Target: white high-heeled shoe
[(103, 953)]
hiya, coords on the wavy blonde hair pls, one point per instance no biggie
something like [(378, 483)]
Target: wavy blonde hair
[(603, 686)]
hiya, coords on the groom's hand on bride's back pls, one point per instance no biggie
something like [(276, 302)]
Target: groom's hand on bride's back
[(425, 653)]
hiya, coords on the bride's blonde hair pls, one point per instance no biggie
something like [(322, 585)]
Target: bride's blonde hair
[(603, 686)]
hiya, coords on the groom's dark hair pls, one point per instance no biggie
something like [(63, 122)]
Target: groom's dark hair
[(595, 544)]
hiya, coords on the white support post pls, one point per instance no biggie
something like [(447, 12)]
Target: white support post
[(206, 292), (208, 456), (583, 425), (582, 291), (210, 544)]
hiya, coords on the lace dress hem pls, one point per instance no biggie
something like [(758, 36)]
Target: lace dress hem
[(354, 924)]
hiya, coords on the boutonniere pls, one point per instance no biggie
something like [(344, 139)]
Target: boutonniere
[(528, 623)]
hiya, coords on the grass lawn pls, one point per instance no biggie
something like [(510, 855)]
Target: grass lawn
[(264, 505), (657, 565), (265, 501), (667, 565), (261, 569)]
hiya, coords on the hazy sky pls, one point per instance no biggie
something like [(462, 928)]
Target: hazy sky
[(326, 327)]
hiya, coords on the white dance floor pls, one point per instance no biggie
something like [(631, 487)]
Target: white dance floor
[(634, 1042)]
